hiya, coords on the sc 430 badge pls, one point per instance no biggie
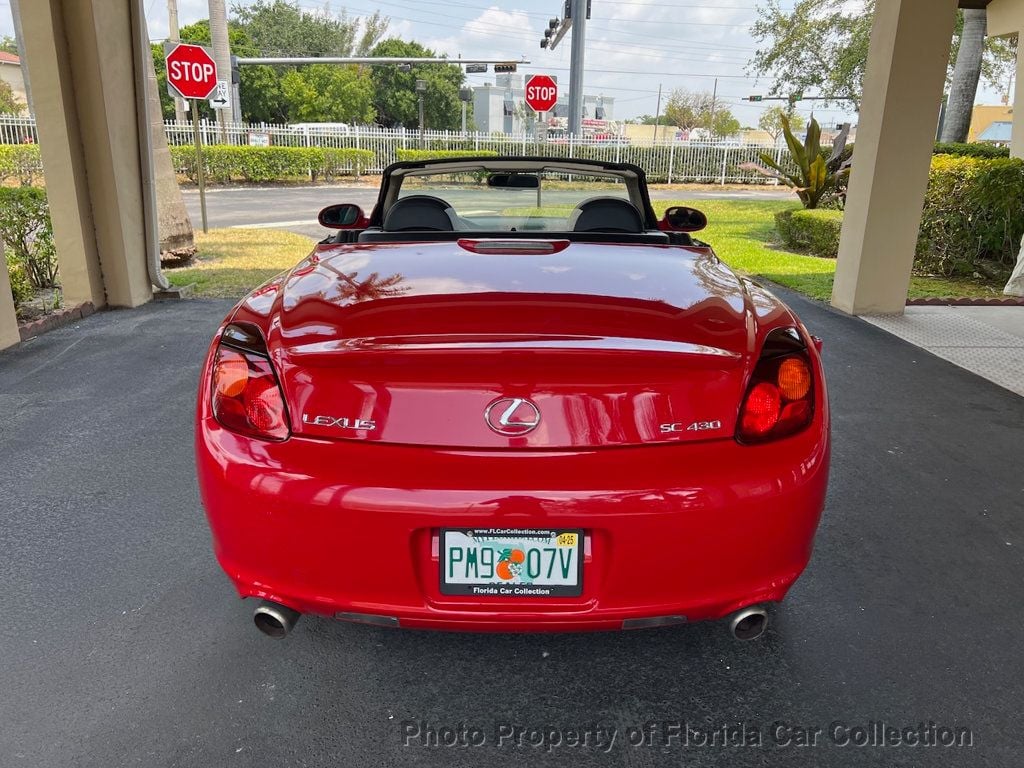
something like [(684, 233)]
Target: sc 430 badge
[(697, 426)]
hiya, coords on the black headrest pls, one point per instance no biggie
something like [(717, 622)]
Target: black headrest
[(419, 213), (606, 214)]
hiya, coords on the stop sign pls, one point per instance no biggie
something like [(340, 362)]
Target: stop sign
[(191, 71), (541, 93)]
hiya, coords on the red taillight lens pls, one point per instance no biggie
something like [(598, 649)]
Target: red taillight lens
[(780, 400), (246, 396)]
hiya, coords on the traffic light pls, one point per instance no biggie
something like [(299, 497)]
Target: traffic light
[(503, 68), (755, 98)]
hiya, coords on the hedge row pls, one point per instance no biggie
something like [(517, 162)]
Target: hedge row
[(814, 231), (413, 155), (973, 214), (20, 163), (973, 211), (225, 163), (971, 150)]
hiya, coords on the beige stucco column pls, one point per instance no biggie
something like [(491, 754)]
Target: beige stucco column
[(907, 61), (81, 70), (1006, 18), (8, 320)]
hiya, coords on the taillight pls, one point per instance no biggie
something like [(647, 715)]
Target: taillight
[(246, 395), (780, 399)]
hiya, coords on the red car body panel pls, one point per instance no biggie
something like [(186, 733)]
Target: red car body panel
[(610, 341)]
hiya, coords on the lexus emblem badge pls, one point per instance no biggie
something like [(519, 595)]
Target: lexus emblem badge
[(512, 416)]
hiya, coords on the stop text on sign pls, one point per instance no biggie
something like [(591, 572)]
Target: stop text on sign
[(541, 92), (192, 71)]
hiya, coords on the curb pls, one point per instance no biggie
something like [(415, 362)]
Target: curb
[(1009, 301), (55, 320)]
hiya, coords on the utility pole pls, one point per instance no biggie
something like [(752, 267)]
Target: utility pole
[(421, 89), (657, 114), (714, 103), (174, 35), (221, 54)]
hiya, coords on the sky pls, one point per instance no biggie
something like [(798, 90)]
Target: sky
[(632, 47)]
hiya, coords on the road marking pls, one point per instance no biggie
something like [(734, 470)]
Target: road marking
[(275, 224)]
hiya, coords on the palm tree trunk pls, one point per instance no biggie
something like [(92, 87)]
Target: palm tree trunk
[(966, 73)]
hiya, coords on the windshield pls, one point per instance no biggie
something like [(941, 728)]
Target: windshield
[(514, 201)]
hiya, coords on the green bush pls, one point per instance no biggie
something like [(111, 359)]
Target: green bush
[(412, 155), (21, 286), (226, 163), (973, 211), (28, 234), (21, 163), (971, 150), (815, 231)]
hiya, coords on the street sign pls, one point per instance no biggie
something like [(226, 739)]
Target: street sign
[(191, 72), (755, 98), (541, 93), (475, 69), (221, 98)]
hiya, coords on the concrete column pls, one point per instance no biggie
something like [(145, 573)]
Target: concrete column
[(907, 61), (1006, 18), (80, 63), (8, 319)]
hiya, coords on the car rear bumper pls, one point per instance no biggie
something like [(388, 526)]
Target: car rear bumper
[(695, 530)]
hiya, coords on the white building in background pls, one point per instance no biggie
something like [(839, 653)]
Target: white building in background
[(11, 73), (501, 108)]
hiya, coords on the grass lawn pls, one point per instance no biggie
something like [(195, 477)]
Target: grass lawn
[(743, 235), (231, 262)]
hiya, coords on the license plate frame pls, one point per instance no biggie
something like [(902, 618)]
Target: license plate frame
[(499, 539)]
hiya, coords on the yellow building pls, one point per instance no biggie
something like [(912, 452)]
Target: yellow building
[(984, 116)]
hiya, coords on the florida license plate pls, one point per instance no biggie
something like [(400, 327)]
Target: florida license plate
[(507, 562)]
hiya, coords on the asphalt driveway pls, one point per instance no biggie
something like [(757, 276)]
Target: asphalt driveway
[(121, 643)]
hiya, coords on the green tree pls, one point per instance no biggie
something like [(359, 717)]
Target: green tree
[(280, 28), (771, 121), (699, 109), (9, 104), (820, 46), (9, 45), (327, 93), (395, 97)]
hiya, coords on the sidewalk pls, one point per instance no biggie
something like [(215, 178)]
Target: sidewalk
[(988, 341)]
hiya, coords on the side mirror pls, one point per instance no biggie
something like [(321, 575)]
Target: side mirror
[(680, 218), (343, 216)]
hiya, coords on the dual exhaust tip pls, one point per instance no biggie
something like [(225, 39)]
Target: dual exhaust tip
[(276, 621)]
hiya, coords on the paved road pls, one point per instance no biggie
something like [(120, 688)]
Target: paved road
[(123, 644), (295, 208)]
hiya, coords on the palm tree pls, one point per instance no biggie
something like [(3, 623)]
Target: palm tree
[(966, 73)]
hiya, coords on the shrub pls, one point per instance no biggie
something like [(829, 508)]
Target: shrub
[(21, 286), (970, 150), (973, 211), (225, 163), (21, 163), (813, 230), (26, 230), (412, 155)]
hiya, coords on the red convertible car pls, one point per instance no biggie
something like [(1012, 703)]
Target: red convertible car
[(512, 398)]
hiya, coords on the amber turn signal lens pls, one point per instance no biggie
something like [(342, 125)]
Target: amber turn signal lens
[(230, 373), (794, 378)]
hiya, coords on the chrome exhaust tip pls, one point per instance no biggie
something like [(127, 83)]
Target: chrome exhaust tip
[(275, 620), (749, 623)]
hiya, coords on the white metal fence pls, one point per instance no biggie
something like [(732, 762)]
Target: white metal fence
[(664, 161)]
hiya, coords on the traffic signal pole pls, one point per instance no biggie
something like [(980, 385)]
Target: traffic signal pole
[(579, 21)]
